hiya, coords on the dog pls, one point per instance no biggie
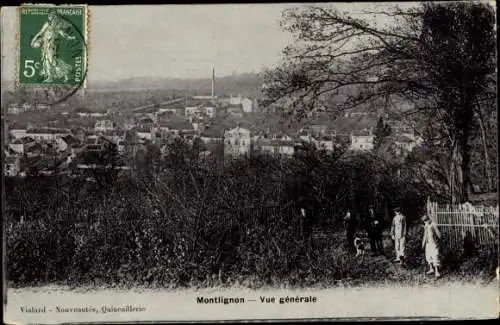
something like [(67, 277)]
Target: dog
[(360, 246)]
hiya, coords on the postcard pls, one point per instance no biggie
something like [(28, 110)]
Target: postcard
[(249, 162)]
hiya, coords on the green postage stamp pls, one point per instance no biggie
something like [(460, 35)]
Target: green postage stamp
[(52, 45)]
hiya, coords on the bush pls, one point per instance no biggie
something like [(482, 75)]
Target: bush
[(193, 225)]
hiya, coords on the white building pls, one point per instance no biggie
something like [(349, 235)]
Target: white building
[(104, 125), (91, 114), (247, 105), (405, 143), (18, 132), (16, 109), (210, 111), (145, 133), (47, 134), (234, 100), (61, 145), (324, 143), (237, 141), (276, 147), (362, 142), (12, 166), (21, 145), (192, 110)]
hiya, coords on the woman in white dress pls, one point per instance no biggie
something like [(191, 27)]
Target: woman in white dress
[(430, 246)]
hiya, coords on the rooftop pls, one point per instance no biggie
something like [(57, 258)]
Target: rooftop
[(48, 131), (275, 143), (70, 140), (18, 126), (23, 140), (11, 160), (176, 123)]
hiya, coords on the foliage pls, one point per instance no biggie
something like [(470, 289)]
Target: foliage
[(436, 59), (188, 223), (382, 131)]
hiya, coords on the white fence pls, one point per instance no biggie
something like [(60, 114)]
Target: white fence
[(457, 223)]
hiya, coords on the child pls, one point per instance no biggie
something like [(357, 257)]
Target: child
[(350, 229), (430, 245), (398, 234)]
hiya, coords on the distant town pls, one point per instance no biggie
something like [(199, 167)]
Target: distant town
[(236, 125)]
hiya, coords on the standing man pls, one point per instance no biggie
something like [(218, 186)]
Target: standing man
[(430, 246), (375, 233), (350, 229), (398, 234), (304, 222)]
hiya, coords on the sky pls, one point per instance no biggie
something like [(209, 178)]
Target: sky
[(183, 41)]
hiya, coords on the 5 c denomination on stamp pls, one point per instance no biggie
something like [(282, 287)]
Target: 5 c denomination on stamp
[(53, 47)]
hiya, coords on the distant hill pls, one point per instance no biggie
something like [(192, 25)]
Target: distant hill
[(247, 84)]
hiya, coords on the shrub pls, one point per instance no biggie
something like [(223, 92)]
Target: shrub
[(199, 226)]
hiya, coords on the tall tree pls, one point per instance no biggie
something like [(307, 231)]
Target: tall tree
[(437, 57), (382, 131)]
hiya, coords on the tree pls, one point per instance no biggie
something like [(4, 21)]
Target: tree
[(437, 57), (382, 131)]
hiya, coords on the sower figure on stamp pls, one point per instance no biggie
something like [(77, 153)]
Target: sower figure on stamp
[(53, 67), (398, 234), (350, 229), (431, 246)]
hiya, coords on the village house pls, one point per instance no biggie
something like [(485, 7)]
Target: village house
[(17, 108), (212, 133), (121, 146), (188, 135), (18, 130), (35, 150), (172, 110), (60, 145), (237, 141), (318, 129), (7, 151), (192, 110), (245, 103), (175, 125), (43, 148), (76, 149), (145, 121), (211, 111), (305, 135), (70, 141), (113, 136), (235, 110), (405, 143), (47, 134), (12, 166), (275, 146), (324, 142), (92, 114), (164, 114), (144, 133), (362, 140), (19, 145), (104, 125)]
